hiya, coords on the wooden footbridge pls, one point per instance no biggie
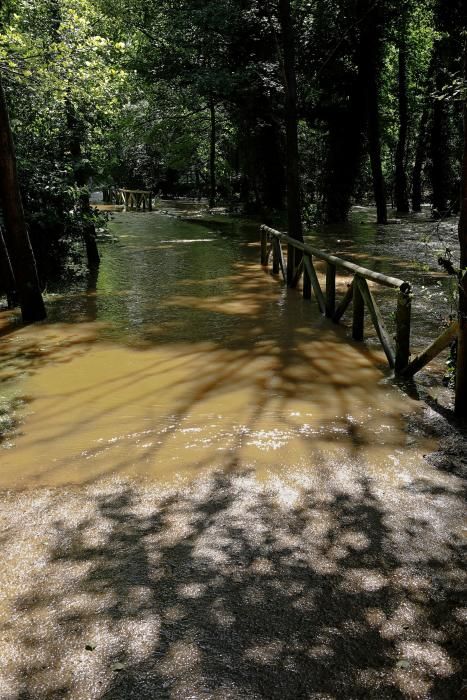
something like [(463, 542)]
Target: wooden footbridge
[(136, 199), (132, 200), (299, 262)]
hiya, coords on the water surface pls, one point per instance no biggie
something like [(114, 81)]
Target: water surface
[(184, 355)]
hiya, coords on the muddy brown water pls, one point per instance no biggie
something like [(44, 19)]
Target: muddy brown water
[(213, 492), (183, 354)]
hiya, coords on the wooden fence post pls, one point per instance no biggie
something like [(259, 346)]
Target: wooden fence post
[(358, 317), (306, 283), (264, 247), (275, 257), (290, 263), (330, 289), (403, 321)]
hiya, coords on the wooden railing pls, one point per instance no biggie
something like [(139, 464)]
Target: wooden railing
[(136, 199), (300, 258)]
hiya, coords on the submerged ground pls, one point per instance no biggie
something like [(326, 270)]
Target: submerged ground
[(212, 493)]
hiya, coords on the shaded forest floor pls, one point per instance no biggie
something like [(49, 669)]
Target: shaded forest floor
[(333, 586)]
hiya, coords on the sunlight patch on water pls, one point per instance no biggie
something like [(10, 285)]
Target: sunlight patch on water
[(176, 363)]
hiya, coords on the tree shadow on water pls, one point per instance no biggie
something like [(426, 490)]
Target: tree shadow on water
[(234, 589)]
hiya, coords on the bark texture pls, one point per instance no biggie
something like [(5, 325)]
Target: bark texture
[(294, 205), (401, 188), (461, 372), (212, 156), (16, 235), (370, 66), (420, 157)]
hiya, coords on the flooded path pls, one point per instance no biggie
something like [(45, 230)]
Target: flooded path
[(224, 497), (187, 356)]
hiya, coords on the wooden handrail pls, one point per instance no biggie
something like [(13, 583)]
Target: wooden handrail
[(358, 294), (124, 189), (377, 277)]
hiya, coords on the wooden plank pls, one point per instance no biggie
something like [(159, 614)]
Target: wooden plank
[(345, 303), (385, 280), (403, 323), (307, 261), (377, 319), (330, 289), (440, 344), (358, 316)]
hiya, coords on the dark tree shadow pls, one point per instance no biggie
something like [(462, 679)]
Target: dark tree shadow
[(222, 592), (232, 588)]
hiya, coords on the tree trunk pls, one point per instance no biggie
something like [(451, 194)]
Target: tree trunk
[(374, 145), (6, 274), (461, 368), (441, 174), (212, 156), (422, 141), (294, 205), (369, 69), (16, 235), (400, 189), (344, 157), (420, 157)]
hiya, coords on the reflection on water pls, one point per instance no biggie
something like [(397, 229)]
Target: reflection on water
[(184, 355)]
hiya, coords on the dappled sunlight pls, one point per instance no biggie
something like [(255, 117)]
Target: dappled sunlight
[(171, 411), (230, 588), (222, 496), (173, 380), (28, 349)]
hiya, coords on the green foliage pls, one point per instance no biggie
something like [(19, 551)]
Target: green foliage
[(55, 62), (133, 81)]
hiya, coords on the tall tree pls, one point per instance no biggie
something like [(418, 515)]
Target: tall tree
[(16, 234), (461, 369), (294, 205), (401, 188), (370, 69), (212, 154), (450, 16), (423, 131), (420, 151)]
